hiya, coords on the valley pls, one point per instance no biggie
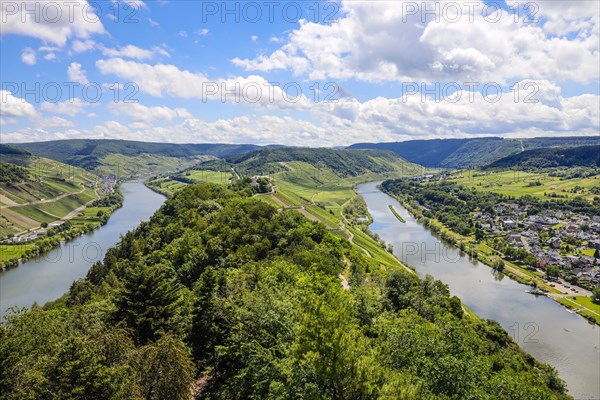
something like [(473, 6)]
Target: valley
[(319, 186), (541, 228), (313, 200), (43, 202)]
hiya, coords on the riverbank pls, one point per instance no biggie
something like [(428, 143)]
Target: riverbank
[(46, 278), (539, 325), (79, 222), (492, 259)]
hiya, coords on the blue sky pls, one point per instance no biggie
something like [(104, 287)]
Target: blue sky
[(261, 72)]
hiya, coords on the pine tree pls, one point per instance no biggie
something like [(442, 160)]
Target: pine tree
[(148, 301)]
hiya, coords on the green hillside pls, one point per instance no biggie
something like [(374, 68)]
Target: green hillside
[(303, 170), (9, 150), (343, 163), (582, 156), (463, 153), (221, 296), (10, 173), (121, 157), (39, 191)]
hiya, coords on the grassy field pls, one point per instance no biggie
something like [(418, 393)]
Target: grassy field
[(519, 183), (586, 302), (575, 302), (398, 216), (208, 176), (10, 252)]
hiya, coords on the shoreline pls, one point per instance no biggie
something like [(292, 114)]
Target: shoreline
[(62, 236), (510, 269)]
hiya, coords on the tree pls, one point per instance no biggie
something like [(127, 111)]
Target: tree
[(478, 234), (208, 322), (553, 271), (499, 265), (596, 295), (597, 254), (164, 370), (148, 300)]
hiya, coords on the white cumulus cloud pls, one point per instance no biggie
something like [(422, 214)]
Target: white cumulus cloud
[(50, 21), (390, 41), (141, 113), (77, 74), (28, 56), (14, 106)]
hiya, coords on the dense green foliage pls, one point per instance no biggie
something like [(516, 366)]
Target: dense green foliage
[(8, 150), (112, 199), (344, 163), (462, 153), (10, 173), (586, 156), (225, 288), (87, 153), (453, 204), (357, 213)]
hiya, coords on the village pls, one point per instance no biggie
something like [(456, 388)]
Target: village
[(560, 239)]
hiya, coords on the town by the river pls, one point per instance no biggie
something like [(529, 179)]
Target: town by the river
[(542, 327)]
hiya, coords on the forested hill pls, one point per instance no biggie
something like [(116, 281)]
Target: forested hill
[(344, 163), (425, 152), (129, 156), (225, 296), (10, 173), (11, 160), (583, 156), (461, 153), (8, 150)]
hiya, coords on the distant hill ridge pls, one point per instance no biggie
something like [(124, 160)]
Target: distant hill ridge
[(344, 163), (94, 154), (585, 156), (83, 150), (8, 150), (129, 157), (462, 153)]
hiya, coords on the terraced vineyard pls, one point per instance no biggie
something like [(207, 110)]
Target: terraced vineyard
[(44, 201), (52, 191)]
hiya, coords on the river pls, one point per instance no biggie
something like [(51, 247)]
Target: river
[(50, 275), (539, 325)]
